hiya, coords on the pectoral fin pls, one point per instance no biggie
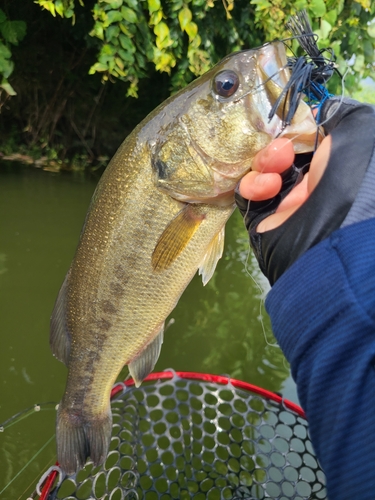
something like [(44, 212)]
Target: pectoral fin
[(59, 335), (143, 364), (176, 236), (213, 254)]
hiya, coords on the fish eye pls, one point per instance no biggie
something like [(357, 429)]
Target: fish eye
[(226, 83)]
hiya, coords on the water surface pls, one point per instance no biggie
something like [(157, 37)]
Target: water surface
[(220, 328)]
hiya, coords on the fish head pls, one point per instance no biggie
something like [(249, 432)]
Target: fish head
[(222, 122)]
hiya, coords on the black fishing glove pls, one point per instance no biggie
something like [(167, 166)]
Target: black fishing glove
[(344, 195)]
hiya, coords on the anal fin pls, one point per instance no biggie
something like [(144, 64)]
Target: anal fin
[(59, 335), (213, 254), (144, 363)]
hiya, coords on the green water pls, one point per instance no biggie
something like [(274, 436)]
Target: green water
[(221, 328)]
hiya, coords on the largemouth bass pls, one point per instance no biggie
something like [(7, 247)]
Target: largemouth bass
[(156, 217)]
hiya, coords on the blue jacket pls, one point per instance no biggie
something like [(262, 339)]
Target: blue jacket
[(323, 316)]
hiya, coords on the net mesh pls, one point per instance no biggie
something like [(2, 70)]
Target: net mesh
[(183, 439)]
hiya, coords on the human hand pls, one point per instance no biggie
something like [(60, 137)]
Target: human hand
[(283, 219), (265, 181)]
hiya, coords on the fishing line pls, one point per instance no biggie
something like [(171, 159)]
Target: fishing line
[(27, 413), (36, 481), (28, 463), (341, 98), (261, 300), (309, 74), (260, 88)]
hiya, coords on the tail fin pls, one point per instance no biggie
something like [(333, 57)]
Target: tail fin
[(79, 438)]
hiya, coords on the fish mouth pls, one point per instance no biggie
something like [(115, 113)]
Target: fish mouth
[(274, 73)]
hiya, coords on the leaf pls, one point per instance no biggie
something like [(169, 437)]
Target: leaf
[(359, 62), (108, 50), (336, 47), (191, 29), (126, 56), (5, 53), (2, 16), (156, 17), (113, 16), (125, 29), (115, 4), (6, 67), (365, 4), (331, 17), (119, 63), (153, 5), (7, 87), (129, 15), (371, 29), (325, 28), (59, 6), (262, 4), (184, 16), (126, 43), (140, 60), (97, 67), (161, 30), (48, 5), (13, 31), (112, 33), (132, 3), (368, 50), (317, 7), (98, 31)]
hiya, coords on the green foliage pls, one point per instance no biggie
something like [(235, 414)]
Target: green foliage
[(11, 32), (348, 27), (182, 39), (366, 92), (65, 100), (185, 38)]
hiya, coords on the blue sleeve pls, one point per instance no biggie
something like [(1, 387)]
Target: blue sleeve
[(323, 316)]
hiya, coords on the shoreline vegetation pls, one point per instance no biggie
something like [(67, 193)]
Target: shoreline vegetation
[(68, 104), (50, 165), (51, 162)]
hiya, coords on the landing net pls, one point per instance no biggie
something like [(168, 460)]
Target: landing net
[(197, 436)]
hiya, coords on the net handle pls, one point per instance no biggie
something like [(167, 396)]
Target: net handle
[(204, 377)]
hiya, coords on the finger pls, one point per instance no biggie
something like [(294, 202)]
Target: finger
[(301, 192), (287, 207), (275, 220), (276, 157), (296, 197), (257, 187), (319, 163)]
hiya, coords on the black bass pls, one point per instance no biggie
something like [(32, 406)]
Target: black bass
[(158, 216)]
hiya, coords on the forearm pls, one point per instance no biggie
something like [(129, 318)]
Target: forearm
[(322, 312)]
